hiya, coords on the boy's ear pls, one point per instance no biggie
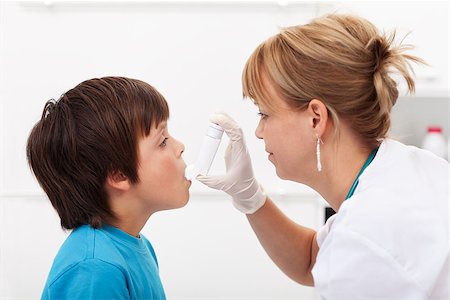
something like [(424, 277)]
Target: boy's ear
[(117, 180), (319, 116)]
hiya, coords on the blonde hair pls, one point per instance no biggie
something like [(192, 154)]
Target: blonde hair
[(341, 60)]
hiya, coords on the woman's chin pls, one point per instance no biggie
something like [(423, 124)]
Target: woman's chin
[(280, 173)]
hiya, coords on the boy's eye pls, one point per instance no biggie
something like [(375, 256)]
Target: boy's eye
[(164, 142)]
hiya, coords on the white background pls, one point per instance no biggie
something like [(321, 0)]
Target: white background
[(193, 52)]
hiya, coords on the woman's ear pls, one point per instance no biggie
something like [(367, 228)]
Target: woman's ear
[(118, 181), (318, 113)]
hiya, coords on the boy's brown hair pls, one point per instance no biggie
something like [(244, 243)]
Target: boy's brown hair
[(89, 133)]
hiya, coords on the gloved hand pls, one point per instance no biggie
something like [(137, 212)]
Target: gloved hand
[(239, 181)]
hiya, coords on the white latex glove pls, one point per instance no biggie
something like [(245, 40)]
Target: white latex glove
[(239, 181)]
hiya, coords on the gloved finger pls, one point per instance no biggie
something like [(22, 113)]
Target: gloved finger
[(228, 124), (217, 182), (233, 155)]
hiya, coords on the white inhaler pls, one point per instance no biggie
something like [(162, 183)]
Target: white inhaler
[(210, 144)]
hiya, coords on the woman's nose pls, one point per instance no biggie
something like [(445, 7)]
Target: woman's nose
[(259, 131)]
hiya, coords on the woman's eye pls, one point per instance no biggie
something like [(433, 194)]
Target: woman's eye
[(262, 115), (164, 142)]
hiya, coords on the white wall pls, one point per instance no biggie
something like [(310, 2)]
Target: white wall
[(194, 54)]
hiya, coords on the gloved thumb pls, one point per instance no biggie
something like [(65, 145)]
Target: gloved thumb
[(217, 182)]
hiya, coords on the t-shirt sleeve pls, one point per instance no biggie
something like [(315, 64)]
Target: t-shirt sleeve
[(90, 279), (354, 267)]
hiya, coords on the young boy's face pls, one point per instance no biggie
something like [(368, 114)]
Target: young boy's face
[(161, 168)]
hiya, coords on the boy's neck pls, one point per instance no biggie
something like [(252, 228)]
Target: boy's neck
[(130, 213), (130, 224)]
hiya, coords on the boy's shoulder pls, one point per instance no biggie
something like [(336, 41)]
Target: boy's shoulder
[(85, 243)]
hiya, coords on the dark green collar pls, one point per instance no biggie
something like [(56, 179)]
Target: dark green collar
[(355, 183)]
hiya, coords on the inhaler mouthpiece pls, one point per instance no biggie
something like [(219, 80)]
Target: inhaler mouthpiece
[(208, 150), (189, 172)]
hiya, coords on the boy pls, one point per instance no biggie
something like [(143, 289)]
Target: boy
[(104, 157)]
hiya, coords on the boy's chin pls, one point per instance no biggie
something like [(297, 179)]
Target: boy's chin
[(182, 202), (178, 202), (185, 201)]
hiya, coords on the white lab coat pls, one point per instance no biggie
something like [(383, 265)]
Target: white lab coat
[(390, 240)]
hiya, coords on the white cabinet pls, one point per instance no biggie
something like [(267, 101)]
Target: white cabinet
[(425, 25)]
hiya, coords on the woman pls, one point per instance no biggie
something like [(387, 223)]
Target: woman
[(325, 95)]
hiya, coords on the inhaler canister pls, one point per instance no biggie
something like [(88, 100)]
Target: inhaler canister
[(208, 150)]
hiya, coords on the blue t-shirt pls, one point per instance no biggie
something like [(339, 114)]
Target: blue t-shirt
[(104, 263)]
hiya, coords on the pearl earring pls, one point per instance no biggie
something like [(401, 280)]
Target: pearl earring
[(319, 164)]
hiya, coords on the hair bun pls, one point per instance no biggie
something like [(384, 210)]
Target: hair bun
[(380, 48)]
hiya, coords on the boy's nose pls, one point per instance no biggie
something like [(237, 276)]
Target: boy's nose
[(182, 148)]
